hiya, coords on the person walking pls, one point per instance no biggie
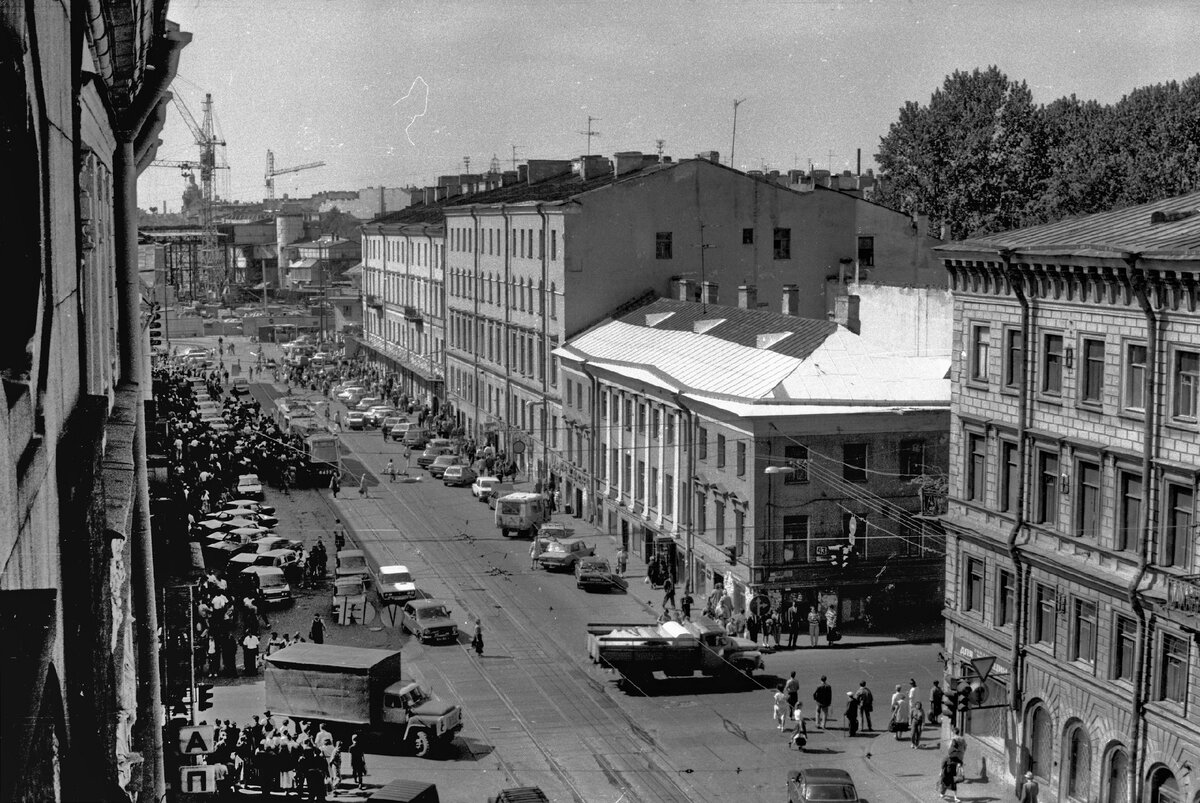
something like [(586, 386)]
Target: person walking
[(534, 551), (948, 778), (866, 704), (752, 625), (250, 654), (851, 714), (916, 722), (793, 624), (335, 485), (791, 690), (781, 709), (339, 534), (898, 719), (800, 734), (1027, 789), (823, 697), (358, 761), (935, 703), (317, 631), (477, 638), (622, 560), (814, 626), (831, 634), (668, 592), (685, 604), (390, 470), (958, 746)]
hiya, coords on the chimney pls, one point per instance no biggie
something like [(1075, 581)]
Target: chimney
[(773, 175), (683, 289), (537, 170), (593, 167), (845, 312), (747, 296), (708, 292), (791, 300), (440, 193), (649, 159), (627, 162), (522, 174), (430, 194), (509, 177), (711, 156)]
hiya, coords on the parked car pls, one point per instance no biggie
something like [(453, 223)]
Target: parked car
[(396, 584), (355, 419), (272, 583), (249, 486), (459, 476), (367, 402), (432, 453), (252, 517), (348, 393), (350, 562), (251, 504), (596, 573), (374, 417), (442, 462), (351, 587), (239, 386), (819, 785), (429, 620), (562, 555), (389, 424), (482, 485)]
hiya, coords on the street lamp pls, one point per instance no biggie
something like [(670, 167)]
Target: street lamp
[(780, 470)]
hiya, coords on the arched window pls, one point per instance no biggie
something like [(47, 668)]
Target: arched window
[(1079, 764), (1163, 787), (1116, 776), (1041, 743)]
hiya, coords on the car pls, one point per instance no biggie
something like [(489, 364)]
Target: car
[(249, 504), (374, 417), (562, 555), (482, 485), (396, 584), (350, 562), (253, 517), (249, 486), (442, 462), (596, 573), (431, 453), (265, 543), (239, 385), (428, 620), (347, 393), (391, 422), (355, 419), (458, 476), (367, 402), (819, 785)]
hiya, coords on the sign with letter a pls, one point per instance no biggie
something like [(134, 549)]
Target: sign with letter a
[(194, 741)]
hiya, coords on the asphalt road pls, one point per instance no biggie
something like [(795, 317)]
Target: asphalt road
[(537, 712)]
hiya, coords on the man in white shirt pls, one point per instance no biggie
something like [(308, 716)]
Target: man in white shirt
[(250, 653)]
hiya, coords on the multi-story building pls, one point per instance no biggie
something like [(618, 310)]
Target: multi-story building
[(404, 298), (1072, 538), (536, 261), (748, 447), (85, 88), (319, 262)]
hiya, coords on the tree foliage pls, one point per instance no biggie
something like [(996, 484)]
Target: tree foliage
[(981, 157)]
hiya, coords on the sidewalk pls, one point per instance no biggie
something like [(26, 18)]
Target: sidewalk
[(915, 772)]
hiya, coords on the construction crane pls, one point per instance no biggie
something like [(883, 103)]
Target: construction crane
[(272, 172)]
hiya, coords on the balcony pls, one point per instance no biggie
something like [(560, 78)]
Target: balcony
[(374, 301), (413, 314), (933, 503), (1183, 597)]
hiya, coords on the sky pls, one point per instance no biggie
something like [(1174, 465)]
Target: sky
[(395, 93)]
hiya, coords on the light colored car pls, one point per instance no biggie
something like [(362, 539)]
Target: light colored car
[(389, 424), (562, 555), (347, 393), (367, 402), (396, 584), (249, 504), (598, 574), (352, 562), (439, 465), (239, 385), (375, 416), (482, 485), (250, 516), (249, 486), (355, 419), (431, 453), (458, 476), (429, 620), (818, 785)]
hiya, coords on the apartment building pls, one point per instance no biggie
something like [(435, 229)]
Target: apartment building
[(1072, 537), (569, 243), (751, 449)]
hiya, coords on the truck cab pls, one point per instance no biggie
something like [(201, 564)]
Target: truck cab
[(423, 719)]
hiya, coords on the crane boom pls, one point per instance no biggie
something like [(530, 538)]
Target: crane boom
[(272, 172)]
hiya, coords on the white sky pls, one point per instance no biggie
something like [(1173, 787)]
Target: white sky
[(324, 79)]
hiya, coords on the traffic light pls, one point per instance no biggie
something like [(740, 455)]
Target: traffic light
[(731, 552), (156, 327), (950, 702), (177, 705), (963, 692), (203, 696)]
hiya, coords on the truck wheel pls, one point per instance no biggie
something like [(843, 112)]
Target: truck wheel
[(420, 744), (504, 532)]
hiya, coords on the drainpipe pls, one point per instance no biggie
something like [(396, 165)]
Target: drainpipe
[(686, 494), (506, 354), (1017, 282), (476, 336), (594, 437), (1150, 392), (545, 349)]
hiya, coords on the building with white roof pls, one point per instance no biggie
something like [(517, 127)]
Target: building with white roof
[(748, 447)]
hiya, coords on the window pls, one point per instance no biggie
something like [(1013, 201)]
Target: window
[(662, 245), (1091, 388), (854, 462), (1052, 364), (1172, 680), (626, 472), (973, 586), (629, 415), (1083, 642), (783, 243), (1124, 641), (639, 488), (1129, 522), (719, 521), (1047, 489), (720, 451), (912, 459), (1010, 477), (701, 443), (668, 495), (1135, 376), (1005, 599), (739, 531), (570, 391), (747, 236), (1046, 615), (701, 514), (795, 538), (866, 252), (553, 244), (1185, 386), (641, 419), (741, 459), (670, 429), (654, 487), (604, 404), (797, 457), (1177, 532), (1087, 500), (655, 423), (1079, 765), (976, 467)]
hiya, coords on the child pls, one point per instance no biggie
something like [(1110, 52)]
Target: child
[(800, 735)]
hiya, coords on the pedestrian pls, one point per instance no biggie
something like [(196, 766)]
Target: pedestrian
[(792, 690), (477, 638), (823, 697), (390, 470), (793, 624), (916, 722), (1027, 789), (335, 485), (831, 634), (935, 703), (768, 624), (800, 734), (685, 604), (866, 704), (317, 631), (668, 592), (851, 714), (958, 746), (949, 777), (898, 714), (752, 625), (814, 626), (358, 761), (776, 629), (782, 709), (339, 534), (362, 485), (622, 560), (534, 551), (250, 654)]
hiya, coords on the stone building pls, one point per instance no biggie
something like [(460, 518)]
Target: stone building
[(1072, 538)]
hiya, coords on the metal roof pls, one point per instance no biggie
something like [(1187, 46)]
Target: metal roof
[(1169, 228)]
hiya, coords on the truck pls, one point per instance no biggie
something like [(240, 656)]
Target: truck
[(521, 512), (354, 688), (322, 460), (637, 651)]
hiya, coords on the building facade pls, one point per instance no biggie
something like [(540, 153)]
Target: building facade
[(85, 99), (1072, 538), (747, 448)]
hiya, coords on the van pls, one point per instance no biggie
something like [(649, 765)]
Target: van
[(272, 583), (521, 512), (416, 437)]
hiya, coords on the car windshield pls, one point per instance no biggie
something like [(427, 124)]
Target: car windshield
[(433, 612), (555, 546), (820, 792), (397, 577), (598, 566)]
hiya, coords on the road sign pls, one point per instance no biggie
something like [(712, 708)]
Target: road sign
[(201, 780), (354, 610), (518, 447), (760, 605), (983, 666), (195, 741)]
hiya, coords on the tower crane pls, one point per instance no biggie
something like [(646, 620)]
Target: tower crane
[(272, 172)]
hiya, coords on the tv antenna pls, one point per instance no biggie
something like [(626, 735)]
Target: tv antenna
[(514, 156), (733, 144), (660, 143), (590, 133)]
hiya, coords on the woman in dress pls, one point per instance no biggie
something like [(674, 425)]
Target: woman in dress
[(781, 707), (916, 721)]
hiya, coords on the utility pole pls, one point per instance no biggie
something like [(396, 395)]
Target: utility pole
[(466, 164), (659, 143), (733, 144), (590, 133), (514, 156)]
